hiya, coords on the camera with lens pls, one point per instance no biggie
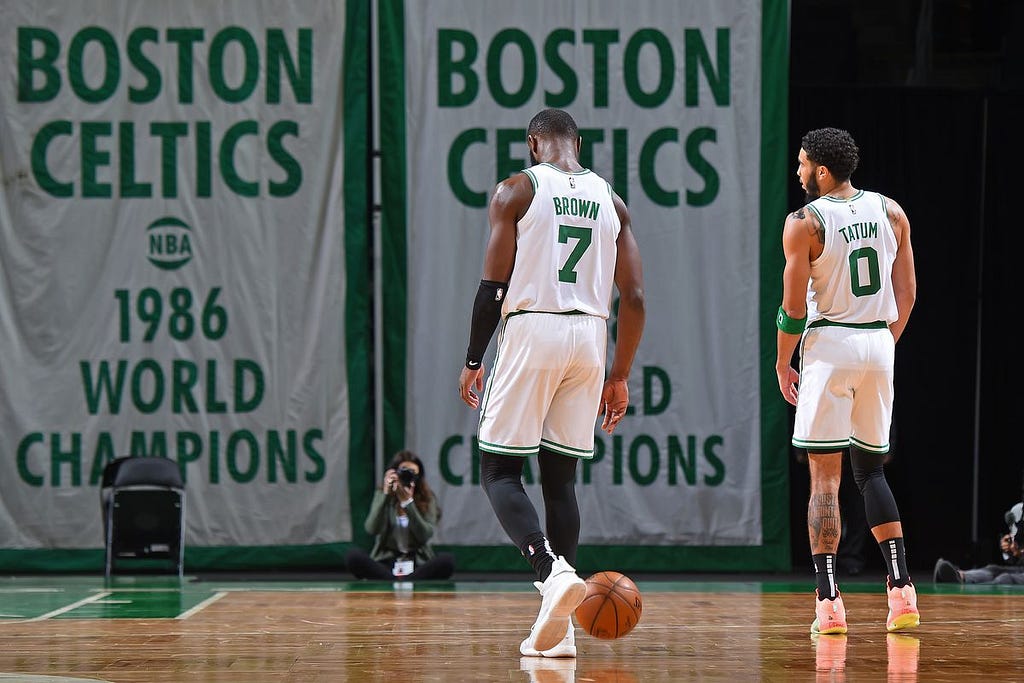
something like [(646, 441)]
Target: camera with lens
[(407, 476)]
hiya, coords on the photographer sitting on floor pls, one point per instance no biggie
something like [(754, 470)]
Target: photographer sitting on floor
[(1011, 572), (402, 515)]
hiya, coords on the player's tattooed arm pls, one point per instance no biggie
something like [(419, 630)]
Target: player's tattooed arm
[(894, 211), (810, 222)]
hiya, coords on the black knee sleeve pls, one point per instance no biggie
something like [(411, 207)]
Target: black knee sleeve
[(879, 503), (498, 471)]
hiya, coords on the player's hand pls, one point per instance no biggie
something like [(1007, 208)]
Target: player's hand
[(468, 380), (614, 401), (789, 378)]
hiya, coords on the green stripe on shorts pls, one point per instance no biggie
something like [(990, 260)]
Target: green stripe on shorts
[(835, 443), (567, 450), (500, 449), (870, 448)]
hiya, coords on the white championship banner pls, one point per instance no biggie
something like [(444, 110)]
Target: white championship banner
[(172, 265)]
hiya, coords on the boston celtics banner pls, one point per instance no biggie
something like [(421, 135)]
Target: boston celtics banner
[(682, 108), (182, 247)]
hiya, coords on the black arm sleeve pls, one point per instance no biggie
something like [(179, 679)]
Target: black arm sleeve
[(486, 313)]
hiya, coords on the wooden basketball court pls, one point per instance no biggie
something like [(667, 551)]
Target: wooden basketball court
[(154, 629)]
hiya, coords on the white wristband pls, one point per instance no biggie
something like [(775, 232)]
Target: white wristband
[(405, 503)]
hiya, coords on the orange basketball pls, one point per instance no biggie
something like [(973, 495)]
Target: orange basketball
[(611, 607)]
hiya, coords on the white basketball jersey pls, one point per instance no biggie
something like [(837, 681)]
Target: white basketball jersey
[(565, 245), (851, 282)]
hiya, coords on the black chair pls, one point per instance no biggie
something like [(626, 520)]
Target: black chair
[(143, 502)]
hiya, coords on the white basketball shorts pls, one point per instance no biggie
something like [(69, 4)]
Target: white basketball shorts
[(545, 388), (846, 389)]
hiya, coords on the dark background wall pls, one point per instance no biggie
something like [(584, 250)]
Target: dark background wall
[(933, 92)]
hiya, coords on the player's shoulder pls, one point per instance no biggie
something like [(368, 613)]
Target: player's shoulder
[(517, 180), (889, 200), (803, 224), (805, 215), (892, 207), (514, 190)]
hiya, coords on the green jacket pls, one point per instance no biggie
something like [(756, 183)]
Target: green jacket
[(381, 521)]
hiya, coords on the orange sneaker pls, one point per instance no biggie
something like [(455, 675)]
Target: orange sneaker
[(829, 615), (903, 612)]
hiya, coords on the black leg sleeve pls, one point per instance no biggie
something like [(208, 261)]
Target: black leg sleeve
[(502, 479), (561, 511), (879, 503)]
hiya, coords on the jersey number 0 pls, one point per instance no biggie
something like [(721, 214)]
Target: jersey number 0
[(861, 285)]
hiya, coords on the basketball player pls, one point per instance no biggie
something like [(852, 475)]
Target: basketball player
[(848, 289), (559, 238)]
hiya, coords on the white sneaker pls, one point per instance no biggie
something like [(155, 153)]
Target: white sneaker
[(561, 595), (565, 648)]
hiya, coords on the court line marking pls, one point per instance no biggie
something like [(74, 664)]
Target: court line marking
[(201, 606), (68, 608), (116, 589), (285, 589)]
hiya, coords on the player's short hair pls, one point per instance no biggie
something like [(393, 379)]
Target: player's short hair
[(833, 148), (553, 123)]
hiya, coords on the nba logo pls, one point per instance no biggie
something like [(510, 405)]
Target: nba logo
[(572, 182)]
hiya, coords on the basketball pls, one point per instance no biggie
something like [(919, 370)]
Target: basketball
[(611, 607)]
